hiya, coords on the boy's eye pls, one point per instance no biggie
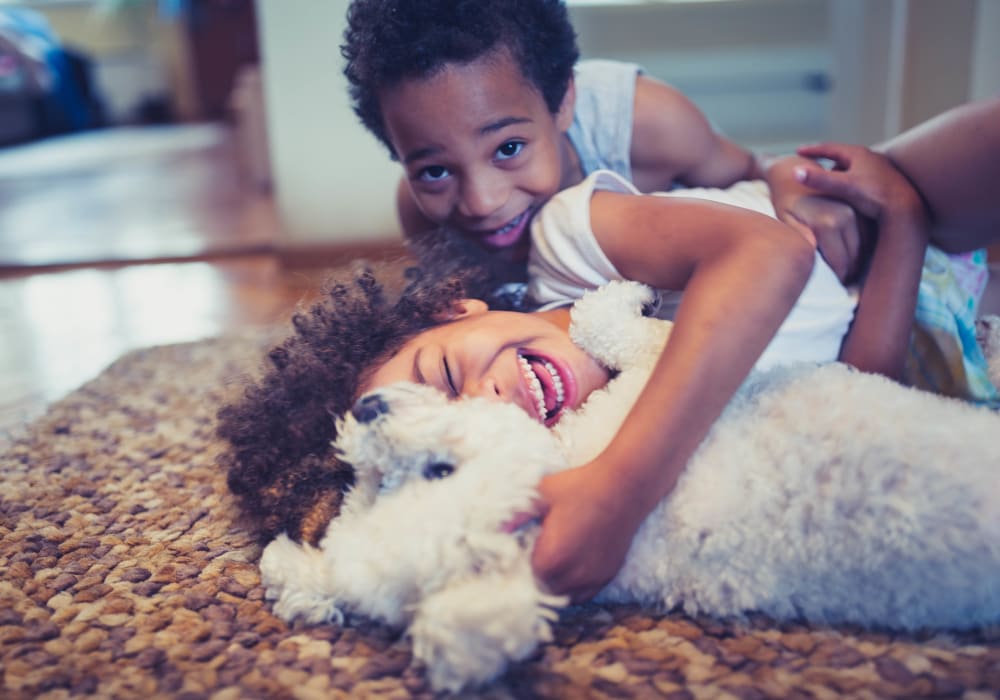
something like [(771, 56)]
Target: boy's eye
[(433, 173), (509, 149)]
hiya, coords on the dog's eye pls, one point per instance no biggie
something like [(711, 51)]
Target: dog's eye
[(438, 470)]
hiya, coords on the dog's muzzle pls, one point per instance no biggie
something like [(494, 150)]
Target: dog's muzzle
[(368, 408)]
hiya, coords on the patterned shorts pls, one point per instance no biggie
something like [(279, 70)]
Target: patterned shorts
[(944, 356)]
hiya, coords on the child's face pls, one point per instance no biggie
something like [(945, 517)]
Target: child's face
[(480, 148), (523, 358)]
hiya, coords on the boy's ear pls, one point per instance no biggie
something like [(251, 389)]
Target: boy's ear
[(462, 309), (564, 117)]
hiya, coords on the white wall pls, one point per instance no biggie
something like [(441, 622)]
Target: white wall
[(334, 183), (900, 62), (758, 68), (986, 51)]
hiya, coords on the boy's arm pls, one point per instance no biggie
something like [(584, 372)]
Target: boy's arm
[(741, 273), (880, 334), (673, 141)]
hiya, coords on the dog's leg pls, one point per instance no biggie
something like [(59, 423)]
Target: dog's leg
[(468, 633), (293, 576)]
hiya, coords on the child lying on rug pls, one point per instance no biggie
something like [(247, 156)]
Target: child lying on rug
[(280, 460), (815, 511), (867, 482)]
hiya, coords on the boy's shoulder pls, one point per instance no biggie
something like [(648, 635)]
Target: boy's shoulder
[(601, 131), (590, 70)]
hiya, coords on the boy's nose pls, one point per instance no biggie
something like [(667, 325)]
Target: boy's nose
[(482, 196)]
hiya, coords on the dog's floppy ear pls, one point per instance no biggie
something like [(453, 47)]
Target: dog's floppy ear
[(462, 308)]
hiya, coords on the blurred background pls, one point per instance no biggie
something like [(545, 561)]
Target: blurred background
[(173, 169)]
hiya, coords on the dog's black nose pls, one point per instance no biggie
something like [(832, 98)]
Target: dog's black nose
[(368, 408)]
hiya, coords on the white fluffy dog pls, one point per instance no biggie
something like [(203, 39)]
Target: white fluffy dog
[(821, 494)]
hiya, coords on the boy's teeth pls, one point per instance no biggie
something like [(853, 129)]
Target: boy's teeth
[(508, 227), (535, 385)]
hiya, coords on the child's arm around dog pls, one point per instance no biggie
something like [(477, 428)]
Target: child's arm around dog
[(729, 313)]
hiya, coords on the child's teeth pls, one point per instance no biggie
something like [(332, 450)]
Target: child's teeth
[(535, 385), (556, 380), (512, 224)]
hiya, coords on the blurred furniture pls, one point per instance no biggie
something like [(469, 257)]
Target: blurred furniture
[(45, 88), (223, 39)]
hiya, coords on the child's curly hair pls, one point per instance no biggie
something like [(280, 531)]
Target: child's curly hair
[(279, 459), (387, 41)]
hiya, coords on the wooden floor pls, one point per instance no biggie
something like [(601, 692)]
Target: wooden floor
[(114, 200)]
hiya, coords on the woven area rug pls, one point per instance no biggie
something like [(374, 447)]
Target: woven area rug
[(125, 573)]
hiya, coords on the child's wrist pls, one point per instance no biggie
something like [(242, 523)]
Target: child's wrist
[(623, 491)]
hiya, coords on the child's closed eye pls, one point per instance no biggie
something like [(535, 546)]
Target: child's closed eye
[(449, 380)]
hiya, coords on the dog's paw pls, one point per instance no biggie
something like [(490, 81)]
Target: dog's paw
[(312, 608), (467, 634), (291, 574)]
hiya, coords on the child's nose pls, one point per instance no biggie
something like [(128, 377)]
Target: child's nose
[(482, 196), (488, 388)]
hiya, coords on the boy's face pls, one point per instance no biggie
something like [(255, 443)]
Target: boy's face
[(480, 148), (523, 358)]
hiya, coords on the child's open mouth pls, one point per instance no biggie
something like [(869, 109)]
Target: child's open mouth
[(509, 234), (545, 386)]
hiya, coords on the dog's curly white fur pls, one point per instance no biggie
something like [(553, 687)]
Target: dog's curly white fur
[(821, 494)]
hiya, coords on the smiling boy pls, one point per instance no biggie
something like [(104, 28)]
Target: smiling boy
[(488, 111)]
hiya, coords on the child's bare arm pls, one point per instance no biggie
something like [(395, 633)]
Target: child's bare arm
[(880, 333), (741, 273), (954, 162), (673, 141)]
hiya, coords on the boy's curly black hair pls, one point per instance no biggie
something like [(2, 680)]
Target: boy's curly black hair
[(279, 458), (388, 41)]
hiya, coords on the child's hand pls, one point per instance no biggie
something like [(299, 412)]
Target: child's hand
[(834, 226), (866, 180), (829, 224), (587, 529)]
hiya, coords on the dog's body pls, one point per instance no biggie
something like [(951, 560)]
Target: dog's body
[(821, 494)]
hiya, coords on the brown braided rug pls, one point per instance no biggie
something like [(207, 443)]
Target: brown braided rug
[(125, 574)]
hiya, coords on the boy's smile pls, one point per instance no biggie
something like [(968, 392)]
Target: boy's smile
[(481, 150), (525, 359)]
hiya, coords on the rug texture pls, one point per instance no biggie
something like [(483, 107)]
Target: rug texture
[(125, 573)]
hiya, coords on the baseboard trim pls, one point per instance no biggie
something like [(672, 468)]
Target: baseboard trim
[(318, 256)]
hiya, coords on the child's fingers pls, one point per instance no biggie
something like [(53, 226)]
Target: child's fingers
[(539, 508), (839, 185), (518, 521), (839, 153), (829, 182)]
